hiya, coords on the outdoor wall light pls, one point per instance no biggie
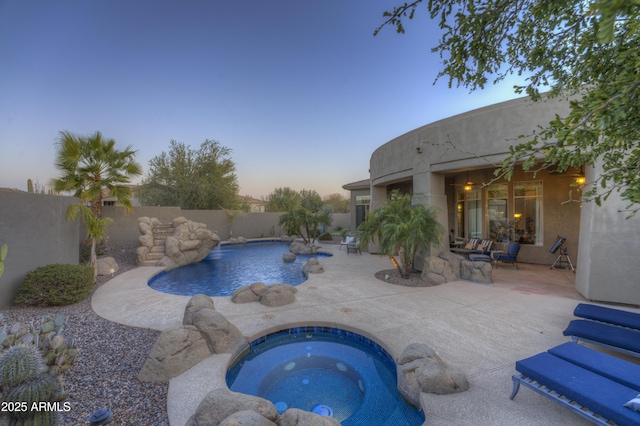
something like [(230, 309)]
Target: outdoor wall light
[(468, 186), (581, 180)]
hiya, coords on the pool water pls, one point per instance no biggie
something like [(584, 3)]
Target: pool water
[(231, 266), (325, 370)]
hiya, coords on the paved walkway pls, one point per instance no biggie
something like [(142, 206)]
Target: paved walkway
[(481, 329)]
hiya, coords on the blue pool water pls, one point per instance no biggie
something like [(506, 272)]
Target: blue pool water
[(325, 370), (229, 267)]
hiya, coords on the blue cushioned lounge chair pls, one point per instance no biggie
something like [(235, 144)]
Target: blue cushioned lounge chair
[(592, 384)]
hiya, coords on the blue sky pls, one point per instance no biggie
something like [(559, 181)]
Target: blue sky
[(300, 91)]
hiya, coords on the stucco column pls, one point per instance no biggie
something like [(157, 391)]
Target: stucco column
[(429, 189), (608, 267)]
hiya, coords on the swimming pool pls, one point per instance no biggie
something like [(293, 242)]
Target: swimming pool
[(231, 266), (326, 370)]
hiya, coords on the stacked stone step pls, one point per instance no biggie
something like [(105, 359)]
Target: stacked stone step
[(160, 234)]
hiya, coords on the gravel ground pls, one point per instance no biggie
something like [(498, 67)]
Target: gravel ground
[(110, 357)]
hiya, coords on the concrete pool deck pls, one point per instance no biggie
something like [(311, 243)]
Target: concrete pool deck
[(481, 329)]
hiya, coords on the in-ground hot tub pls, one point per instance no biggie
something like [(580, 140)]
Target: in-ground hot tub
[(326, 370)]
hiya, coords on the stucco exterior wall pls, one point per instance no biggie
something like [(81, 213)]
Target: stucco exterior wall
[(599, 240), (35, 228)]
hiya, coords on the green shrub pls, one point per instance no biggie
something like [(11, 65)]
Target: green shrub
[(325, 237), (56, 285)]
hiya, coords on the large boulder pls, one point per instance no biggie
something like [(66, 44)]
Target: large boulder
[(279, 295), (289, 257), (177, 349), (297, 417), (221, 403), (268, 295), (203, 332), (436, 271), (478, 272), (420, 369), (249, 293), (300, 247), (107, 266), (197, 302), (312, 266), (220, 334), (246, 418)]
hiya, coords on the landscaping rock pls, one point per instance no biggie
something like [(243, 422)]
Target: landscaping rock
[(249, 293), (107, 266), (221, 403), (177, 349), (299, 247), (246, 418), (197, 302), (186, 242), (420, 369), (220, 334), (268, 295), (289, 257), (478, 272), (297, 417), (312, 266), (278, 295)]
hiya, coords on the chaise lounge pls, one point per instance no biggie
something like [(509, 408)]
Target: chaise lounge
[(611, 328), (594, 385)]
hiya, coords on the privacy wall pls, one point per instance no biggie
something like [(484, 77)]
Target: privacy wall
[(35, 229)]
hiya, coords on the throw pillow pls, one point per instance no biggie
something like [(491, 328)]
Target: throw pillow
[(634, 404), (469, 246)]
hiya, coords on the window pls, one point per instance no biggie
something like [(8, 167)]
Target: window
[(363, 203), (469, 213), (498, 212), (527, 198)]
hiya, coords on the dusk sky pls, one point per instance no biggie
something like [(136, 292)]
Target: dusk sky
[(300, 91)]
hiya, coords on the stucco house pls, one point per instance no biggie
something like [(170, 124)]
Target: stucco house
[(449, 164)]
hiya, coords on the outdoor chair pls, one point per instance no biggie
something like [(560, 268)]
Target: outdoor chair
[(348, 240), (353, 246), (511, 256)]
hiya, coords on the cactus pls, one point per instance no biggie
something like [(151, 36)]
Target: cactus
[(43, 387), (38, 418), (19, 364), (46, 336), (3, 254), (22, 381)]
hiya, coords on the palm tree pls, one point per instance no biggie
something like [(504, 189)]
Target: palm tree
[(90, 167), (304, 222), (402, 227)]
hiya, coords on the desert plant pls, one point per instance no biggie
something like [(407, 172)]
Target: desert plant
[(401, 227), (3, 254), (56, 285), (23, 383), (58, 354)]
